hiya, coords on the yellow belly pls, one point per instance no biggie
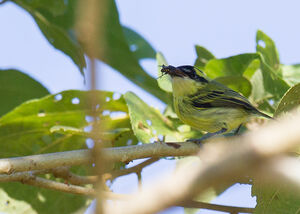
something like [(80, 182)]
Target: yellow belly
[(211, 119)]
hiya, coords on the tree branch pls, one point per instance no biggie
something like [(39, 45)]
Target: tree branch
[(64, 172), (79, 157)]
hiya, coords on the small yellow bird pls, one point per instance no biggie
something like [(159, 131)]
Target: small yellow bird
[(206, 104)]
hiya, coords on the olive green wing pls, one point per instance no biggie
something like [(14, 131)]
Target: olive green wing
[(215, 95)]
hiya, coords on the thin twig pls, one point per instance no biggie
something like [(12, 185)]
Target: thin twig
[(217, 207), (135, 169)]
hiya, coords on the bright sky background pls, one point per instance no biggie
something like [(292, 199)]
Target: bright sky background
[(173, 27)]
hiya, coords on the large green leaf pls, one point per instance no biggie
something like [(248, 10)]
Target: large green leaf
[(26, 129), (275, 199), (16, 88), (118, 55), (234, 65), (138, 45), (290, 100)]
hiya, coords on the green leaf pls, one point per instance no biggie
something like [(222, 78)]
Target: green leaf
[(266, 46), (237, 83), (164, 81), (234, 65), (291, 74), (138, 45), (16, 88), (275, 199), (203, 56), (26, 129), (51, 22), (259, 94), (289, 101)]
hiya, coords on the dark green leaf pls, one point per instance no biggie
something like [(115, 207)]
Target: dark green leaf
[(119, 56), (51, 27), (290, 100), (203, 56), (237, 83), (138, 45), (235, 65), (164, 81), (16, 88)]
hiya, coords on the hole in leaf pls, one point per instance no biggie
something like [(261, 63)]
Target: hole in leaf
[(57, 97), (117, 114), (154, 132), (88, 128), (105, 112), (152, 140), (107, 99), (129, 142), (133, 47), (261, 43), (75, 100), (149, 122), (116, 96), (41, 113), (139, 143), (89, 143), (89, 118)]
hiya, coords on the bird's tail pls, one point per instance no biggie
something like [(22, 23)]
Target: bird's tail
[(264, 115)]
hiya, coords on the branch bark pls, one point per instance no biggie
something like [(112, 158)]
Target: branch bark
[(79, 157)]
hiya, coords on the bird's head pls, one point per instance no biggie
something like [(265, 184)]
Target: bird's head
[(185, 71), (186, 79)]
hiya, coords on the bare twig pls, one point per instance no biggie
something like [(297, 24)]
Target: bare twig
[(136, 169), (217, 207), (79, 157)]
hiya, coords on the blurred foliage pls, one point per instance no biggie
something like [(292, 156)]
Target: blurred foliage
[(63, 121)]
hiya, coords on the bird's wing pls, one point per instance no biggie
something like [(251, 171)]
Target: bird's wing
[(215, 95)]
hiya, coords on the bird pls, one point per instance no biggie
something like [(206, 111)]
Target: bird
[(206, 104)]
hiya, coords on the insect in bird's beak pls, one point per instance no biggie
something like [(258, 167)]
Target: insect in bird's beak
[(172, 71)]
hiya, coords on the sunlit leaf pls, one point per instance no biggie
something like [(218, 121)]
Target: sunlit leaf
[(290, 100), (291, 74)]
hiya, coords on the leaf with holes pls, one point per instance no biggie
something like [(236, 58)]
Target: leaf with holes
[(164, 81), (275, 199), (148, 123), (234, 65), (289, 101), (138, 45), (26, 129), (203, 56), (16, 88)]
